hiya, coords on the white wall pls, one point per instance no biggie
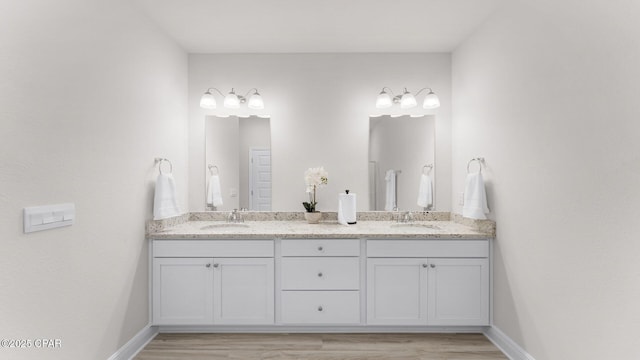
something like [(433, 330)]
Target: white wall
[(547, 92), (90, 93), (319, 106)]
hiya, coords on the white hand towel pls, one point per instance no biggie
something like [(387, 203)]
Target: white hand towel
[(425, 192), (165, 201), (390, 200), (214, 194), (475, 197)]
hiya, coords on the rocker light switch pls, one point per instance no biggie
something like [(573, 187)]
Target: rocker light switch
[(38, 218)]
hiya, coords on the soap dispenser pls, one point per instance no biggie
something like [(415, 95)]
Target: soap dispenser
[(347, 208)]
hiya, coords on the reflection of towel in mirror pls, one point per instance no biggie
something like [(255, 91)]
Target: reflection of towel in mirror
[(165, 201), (214, 194), (390, 200), (425, 192), (475, 197)]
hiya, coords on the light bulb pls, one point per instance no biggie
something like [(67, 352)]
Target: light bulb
[(231, 101), (207, 101), (255, 101), (383, 100), (431, 101), (408, 100)]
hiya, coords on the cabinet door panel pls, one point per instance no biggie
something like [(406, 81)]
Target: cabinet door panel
[(182, 291), (244, 291), (458, 292), (396, 291)]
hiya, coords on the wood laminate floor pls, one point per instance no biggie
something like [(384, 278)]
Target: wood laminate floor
[(320, 347)]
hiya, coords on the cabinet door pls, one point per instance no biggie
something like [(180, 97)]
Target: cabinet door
[(458, 292), (182, 291), (397, 291), (244, 291)]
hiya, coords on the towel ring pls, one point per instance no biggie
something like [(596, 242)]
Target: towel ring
[(211, 167), (480, 161), (430, 167), (160, 160)]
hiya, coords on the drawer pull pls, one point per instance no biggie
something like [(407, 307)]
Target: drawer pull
[(424, 265), (216, 265), (319, 274), (320, 308), (320, 248), (433, 265), (208, 265)]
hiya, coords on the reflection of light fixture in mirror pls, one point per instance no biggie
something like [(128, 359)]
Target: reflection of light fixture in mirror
[(232, 100), (406, 100)]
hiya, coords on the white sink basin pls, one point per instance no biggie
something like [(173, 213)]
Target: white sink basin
[(415, 226), (225, 226)]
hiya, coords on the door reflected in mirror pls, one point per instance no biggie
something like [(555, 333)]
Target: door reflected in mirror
[(238, 163), (401, 150)]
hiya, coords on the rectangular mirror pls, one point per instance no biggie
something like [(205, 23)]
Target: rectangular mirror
[(238, 163), (401, 149)]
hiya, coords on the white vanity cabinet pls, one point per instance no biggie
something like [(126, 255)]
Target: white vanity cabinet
[(213, 282), (428, 282), (348, 285)]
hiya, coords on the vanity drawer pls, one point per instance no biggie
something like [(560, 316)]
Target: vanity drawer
[(320, 307), (321, 247), (321, 273), (213, 248), (428, 248)]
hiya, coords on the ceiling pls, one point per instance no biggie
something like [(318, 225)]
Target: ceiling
[(312, 26)]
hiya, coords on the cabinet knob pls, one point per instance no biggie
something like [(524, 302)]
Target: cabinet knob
[(320, 308), (216, 265), (433, 265), (320, 274), (208, 265), (424, 265), (320, 248)]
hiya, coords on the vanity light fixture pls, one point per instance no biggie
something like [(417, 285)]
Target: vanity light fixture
[(406, 100), (232, 100)]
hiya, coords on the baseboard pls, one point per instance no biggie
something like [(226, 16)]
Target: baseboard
[(137, 343), (509, 347), (318, 329)]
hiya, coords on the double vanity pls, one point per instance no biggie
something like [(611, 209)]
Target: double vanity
[(275, 272)]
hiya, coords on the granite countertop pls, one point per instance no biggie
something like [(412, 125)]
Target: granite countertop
[(296, 229)]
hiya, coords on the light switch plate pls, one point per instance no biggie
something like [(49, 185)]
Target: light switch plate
[(38, 218)]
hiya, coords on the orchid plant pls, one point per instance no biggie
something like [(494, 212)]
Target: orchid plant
[(314, 178)]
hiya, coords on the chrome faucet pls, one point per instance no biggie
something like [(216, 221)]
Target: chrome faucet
[(235, 217), (405, 217)]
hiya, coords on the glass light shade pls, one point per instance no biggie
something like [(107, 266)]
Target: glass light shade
[(255, 102), (431, 101), (207, 101), (383, 101), (408, 101), (231, 101)]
